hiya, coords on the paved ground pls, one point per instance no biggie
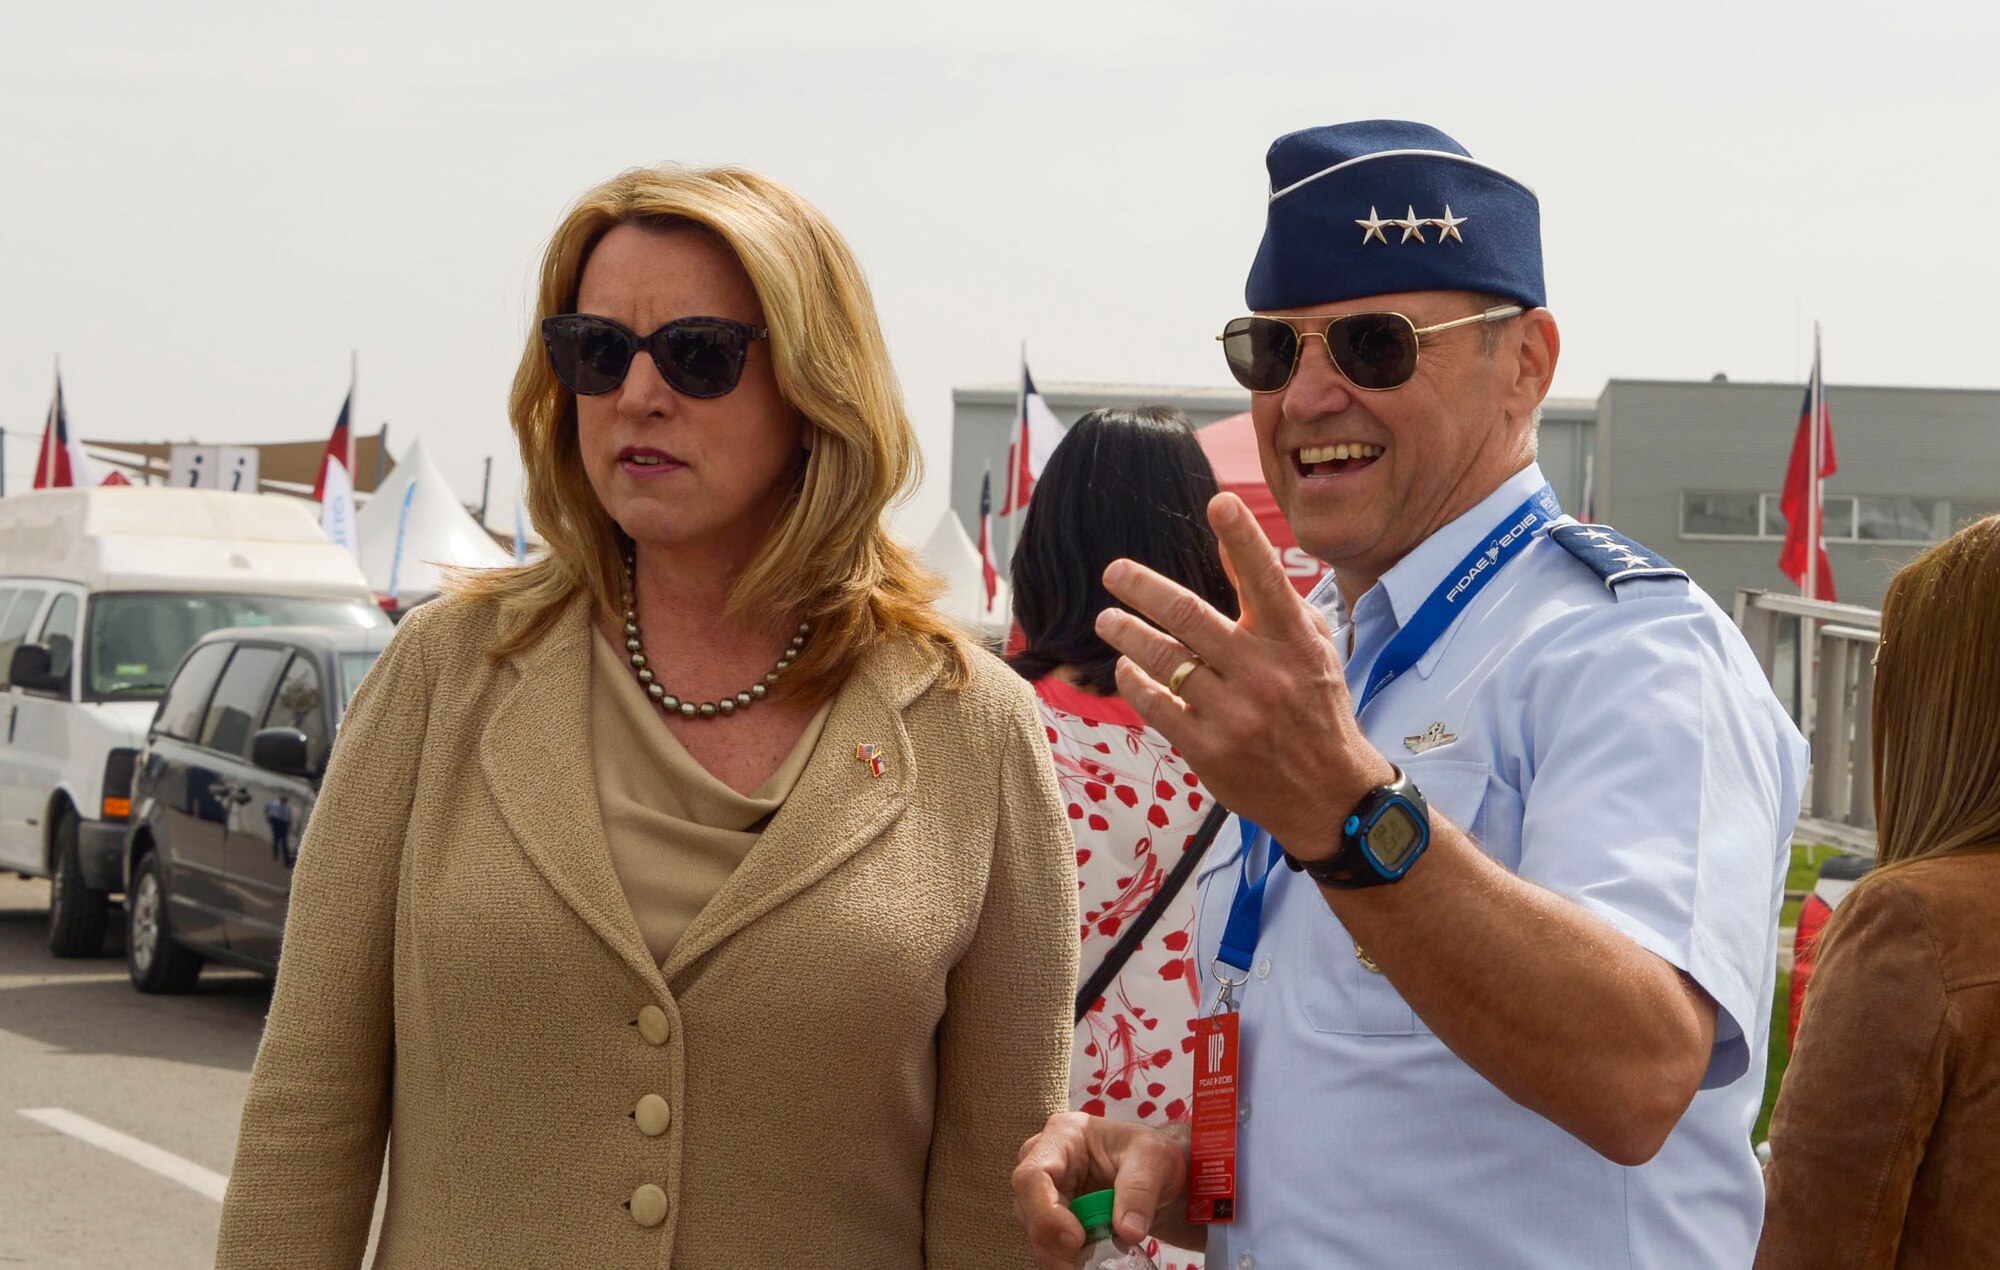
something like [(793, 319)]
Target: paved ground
[(168, 1072)]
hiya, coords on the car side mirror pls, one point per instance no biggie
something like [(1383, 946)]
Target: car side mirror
[(30, 669), (281, 750)]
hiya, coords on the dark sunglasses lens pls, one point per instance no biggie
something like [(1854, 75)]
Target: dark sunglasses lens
[(589, 357), (1374, 350), (1260, 352), (701, 359)]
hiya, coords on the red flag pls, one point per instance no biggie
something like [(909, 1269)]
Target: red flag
[(1803, 500), (986, 569), (62, 462), (1020, 481), (339, 449), (116, 478), (334, 486), (1035, 442), (52, 469)]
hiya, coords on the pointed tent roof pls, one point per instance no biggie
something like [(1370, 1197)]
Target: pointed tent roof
[(951, 555), (440, 531)]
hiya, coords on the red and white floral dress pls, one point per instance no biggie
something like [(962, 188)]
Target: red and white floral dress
[(1134, 808)]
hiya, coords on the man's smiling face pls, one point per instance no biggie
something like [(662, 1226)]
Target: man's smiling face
[(1363, 477)]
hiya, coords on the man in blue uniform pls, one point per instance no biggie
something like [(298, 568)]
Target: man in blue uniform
[(1508, 1005)]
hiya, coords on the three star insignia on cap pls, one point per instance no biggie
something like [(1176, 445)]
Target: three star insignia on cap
[(1412, 226)]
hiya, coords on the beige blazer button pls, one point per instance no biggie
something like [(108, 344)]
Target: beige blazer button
[(653, 1114), (649, 1205), (653, 1025)]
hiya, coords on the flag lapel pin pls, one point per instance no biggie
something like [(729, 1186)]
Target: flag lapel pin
[(871, 755)]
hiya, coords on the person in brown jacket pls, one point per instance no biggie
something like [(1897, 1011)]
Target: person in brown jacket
[(1885, 1144), (691, 895)]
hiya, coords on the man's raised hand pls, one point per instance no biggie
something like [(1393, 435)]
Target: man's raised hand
[(1265, 721)]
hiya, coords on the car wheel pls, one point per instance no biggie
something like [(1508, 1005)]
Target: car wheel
[(78, 916), (157, 962)]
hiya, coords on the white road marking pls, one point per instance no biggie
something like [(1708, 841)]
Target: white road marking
[(143, 1154)]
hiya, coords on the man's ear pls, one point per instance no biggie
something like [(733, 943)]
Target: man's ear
[(1536, 347)]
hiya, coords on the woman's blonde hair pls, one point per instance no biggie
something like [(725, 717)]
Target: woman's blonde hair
[(829, 557), (1937, 701)]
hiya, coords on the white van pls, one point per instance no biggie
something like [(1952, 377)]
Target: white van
[(101, 593)]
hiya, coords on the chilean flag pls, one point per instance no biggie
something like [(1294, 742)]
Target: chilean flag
[(334, 486), (1038, 435), (986, 569), (1803, 557), (62, 462)]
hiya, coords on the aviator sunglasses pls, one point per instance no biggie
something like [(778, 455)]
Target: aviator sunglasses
[(1373, 351), (697, 356)]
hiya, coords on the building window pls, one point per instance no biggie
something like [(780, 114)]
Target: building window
[(1840, 518), (1904, 520), (1774, 515), (1720, 516), (1964, 513), (1866, 518)]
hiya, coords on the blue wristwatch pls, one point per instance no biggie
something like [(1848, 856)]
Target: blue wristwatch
[(1379, 841)]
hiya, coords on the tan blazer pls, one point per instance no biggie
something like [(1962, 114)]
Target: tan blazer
[(850, 1042), (1885, 1144)]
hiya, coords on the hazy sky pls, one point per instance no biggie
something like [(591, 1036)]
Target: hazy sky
[(207, 205)]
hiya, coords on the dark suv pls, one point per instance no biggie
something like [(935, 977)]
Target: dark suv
[(222, 792)]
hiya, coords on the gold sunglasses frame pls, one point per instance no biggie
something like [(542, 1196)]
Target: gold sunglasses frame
[(1498, 313)]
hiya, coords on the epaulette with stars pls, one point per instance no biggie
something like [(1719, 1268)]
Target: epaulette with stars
[(1612, 556)]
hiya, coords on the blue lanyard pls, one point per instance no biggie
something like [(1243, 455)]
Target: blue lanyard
[(1450, 598), (1246, 911)]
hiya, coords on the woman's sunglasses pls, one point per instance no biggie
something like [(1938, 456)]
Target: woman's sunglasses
[(697, 356), (1373, 351)]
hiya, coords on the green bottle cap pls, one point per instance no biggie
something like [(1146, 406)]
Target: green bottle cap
[(1094, 1211)]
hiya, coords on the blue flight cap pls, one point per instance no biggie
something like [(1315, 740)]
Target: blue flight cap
[(1386, 205)]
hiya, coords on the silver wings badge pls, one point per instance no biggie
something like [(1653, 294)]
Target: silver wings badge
[(1430, 738)]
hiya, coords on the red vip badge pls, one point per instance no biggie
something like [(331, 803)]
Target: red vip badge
[(1211, 1194)]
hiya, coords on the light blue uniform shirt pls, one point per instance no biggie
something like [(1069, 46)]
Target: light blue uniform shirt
[(1621, 748)]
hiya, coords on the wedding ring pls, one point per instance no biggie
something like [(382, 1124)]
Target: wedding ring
[(1181, 672)]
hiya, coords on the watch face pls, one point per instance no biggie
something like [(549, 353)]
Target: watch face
[(1395, 834)]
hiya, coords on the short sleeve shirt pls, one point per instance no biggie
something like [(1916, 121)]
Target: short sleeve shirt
[(1619, 746)]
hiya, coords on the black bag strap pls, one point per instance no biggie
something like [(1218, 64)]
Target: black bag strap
[(1128, 943)]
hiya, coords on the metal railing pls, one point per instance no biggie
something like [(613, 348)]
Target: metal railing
[(1830, 692)]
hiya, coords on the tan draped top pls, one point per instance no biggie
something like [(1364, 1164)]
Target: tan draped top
[(676, 832)]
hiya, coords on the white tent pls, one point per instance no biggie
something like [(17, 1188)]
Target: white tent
[(435, 531), (952, 556)]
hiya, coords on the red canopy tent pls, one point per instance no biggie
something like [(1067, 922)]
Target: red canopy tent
[(1231, 446)]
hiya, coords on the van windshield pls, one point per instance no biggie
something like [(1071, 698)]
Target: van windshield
[(137, 638)]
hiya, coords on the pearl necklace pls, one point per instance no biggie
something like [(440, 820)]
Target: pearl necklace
[(691, 709)]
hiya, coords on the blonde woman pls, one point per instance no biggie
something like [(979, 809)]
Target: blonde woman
[(1885, 1145), (690, 895)]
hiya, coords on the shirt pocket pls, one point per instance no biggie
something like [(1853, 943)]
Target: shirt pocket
[(1343, 996)]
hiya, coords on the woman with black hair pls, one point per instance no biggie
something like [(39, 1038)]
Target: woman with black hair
[(1132, 484)]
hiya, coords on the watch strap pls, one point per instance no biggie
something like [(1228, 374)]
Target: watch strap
[(1349, 868)]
